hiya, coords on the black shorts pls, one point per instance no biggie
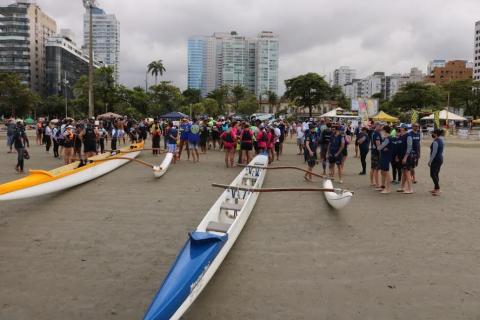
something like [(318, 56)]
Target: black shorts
[(414, 160), (410, 164), (246, 146), (282, 138), (311, 160), (345, 151), (375, 158), (277, 147), (89, 147), (335, 160)]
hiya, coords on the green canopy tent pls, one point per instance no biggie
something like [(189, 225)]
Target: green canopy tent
[(29, 121)]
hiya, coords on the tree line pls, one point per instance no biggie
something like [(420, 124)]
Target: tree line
[(304, 91)]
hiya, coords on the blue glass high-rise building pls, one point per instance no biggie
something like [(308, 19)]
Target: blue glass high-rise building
[(230, 59), (196, 47)]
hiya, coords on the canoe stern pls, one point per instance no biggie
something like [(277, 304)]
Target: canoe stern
[(185, 276)]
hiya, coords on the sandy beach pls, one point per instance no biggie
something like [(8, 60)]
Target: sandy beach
[(101, 250)]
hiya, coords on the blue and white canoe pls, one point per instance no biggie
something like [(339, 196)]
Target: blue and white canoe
[(205, 249)]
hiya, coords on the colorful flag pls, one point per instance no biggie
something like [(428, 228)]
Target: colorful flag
[(436, 119), (414, 117)]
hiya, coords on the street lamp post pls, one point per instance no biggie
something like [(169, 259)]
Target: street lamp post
[(89, 5), (65, 88)]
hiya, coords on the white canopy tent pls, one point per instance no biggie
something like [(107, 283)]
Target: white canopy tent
[(334, 114), (443, 116)]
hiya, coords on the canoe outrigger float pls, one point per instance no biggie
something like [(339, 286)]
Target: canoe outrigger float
[(336, 198), (40, 182), (208, 246)]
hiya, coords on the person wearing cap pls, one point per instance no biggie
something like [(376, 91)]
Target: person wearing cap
[(262, 139), (324, 141), (278, 139), (385, 158), (156, 133), (396, 163), (416, 143), (363, 142), (311, 142), (375, 156), (89, 135), (403, 154), (20, 142), (436, 160), (184, 132), (347, 137), (335, 152), (10, 132), (229, 140), (68, 144)]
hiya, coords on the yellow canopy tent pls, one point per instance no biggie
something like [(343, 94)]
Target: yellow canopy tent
[(476, 121), (382, 116)]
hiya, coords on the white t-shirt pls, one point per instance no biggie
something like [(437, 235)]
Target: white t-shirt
[(278, 133), (300, 132)]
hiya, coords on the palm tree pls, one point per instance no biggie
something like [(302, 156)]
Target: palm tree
[(156, 68), (272, 100)]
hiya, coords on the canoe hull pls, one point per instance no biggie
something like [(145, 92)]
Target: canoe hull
[(198, 283), (164, 166), (335, 200), (69, 181)]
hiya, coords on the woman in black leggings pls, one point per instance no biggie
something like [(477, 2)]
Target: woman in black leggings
[(436, 160)]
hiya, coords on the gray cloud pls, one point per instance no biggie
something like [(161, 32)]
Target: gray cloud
[(374, 35)]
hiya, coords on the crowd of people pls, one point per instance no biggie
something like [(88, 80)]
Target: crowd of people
[(392, 148), (395, 148)]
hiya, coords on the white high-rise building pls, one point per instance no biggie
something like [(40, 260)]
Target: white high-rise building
[(231, 59), (106, 38), (476, 55), (343, 75)]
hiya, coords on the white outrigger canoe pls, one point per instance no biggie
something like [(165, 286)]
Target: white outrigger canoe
[(208, 245), (337, 200), (40, 182), (158, 172)]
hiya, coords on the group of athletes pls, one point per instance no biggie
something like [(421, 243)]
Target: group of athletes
[(391, 148)]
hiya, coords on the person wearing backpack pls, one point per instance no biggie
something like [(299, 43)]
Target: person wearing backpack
[(194, 140), (228, 137), (246, 143), (262, 139)]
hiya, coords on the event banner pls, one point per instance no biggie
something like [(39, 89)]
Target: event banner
[(366, 108)]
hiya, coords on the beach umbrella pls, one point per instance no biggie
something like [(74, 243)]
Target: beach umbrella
[(436, 119), (477, 121)]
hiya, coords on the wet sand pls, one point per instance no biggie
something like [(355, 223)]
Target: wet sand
[(101, 250)]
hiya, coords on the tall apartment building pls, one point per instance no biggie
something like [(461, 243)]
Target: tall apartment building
[(343, 75), (453, 70), (65, 64), (231, 59), (476, 53), (24, 30), (387, 86), (106, 38)]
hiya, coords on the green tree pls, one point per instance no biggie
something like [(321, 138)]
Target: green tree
[(272, 100), (419, 96), (464, 94), (248, 106), (220, 95), (307, 90), (52, 106), (16, 99), (211, 107), (337, 95), (156, 68), (105, 86), (192, 96), (165, 97), (238, 93)]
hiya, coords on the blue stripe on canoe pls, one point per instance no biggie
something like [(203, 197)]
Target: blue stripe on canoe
[(198, 252)]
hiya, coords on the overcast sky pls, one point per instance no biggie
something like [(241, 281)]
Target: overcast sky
[(315, 35)]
